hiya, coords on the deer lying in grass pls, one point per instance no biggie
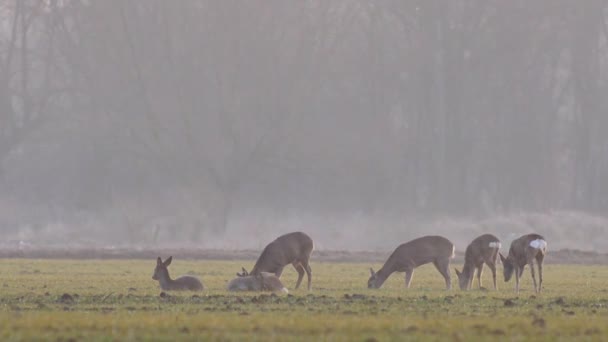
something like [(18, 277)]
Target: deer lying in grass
[(408, 256), (161, 273), (262, 281), (293, 248), (524, 251), (484, 249)]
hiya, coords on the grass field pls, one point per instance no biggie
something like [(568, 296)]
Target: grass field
[(118, 300)]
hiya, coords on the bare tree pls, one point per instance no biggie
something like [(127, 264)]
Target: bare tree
[(28, 89)]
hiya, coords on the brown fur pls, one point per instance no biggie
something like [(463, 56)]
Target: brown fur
[(481, 250), (408, 256), (261, 282), (522, 254), (293, 248), (183, 283)]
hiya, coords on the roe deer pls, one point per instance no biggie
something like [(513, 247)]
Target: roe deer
[(262, 281), (524, 251), (293, 248), (408, 256), (161, 273), (484, 249)]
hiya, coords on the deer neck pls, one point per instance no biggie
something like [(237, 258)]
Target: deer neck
[(468, 270), (165, 280), (269, 266), (254, 270), (518, 259), (382, 275)]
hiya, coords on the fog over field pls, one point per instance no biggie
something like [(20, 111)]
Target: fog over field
[(221, 124)]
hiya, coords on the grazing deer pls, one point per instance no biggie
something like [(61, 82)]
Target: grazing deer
[(524, 251), (408, 256), (293, 248), (161, 273), (484, 249), (262, 281)]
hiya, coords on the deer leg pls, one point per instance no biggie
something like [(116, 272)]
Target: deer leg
[(540, 277), (301, 271), (539, 262), (308, 273), (443, 266), (408, 277), (517, 274), (493, 269), (533, 275), (479, 272)]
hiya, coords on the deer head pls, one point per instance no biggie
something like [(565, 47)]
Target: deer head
[(463, 280), (161, 271), (371, 282), (508, 267), (243, 274)]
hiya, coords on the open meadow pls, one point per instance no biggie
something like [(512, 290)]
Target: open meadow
[(102, 300)]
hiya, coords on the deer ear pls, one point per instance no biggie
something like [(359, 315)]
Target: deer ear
[(159, 261), (502, 257), (168, 261), (372, 273)]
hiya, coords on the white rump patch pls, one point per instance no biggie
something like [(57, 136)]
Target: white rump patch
[(284, 290), (495, 244), (538, 244)]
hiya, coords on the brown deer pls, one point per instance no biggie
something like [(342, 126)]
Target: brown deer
[(408, 256), (293, 248), (484, 249), (524, 251), (262, 281), (161, 273)]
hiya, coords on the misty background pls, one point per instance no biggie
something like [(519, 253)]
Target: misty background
[(221, 124)]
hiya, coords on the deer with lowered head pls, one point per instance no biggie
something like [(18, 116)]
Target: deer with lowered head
[(484, 249), (262, 281), (524, 250), (183, 283), (408, 256), (293, 248)]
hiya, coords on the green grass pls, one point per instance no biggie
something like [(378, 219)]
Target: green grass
[(118, 300)]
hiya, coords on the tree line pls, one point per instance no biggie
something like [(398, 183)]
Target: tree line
[(209, 108)]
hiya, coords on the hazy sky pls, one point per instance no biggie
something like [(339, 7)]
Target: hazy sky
[(199, 120)]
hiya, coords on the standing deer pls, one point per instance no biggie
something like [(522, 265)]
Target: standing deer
[(484, 249), (161, 273), (293, 248), (524, 251), (262, 281), (408, 256)]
